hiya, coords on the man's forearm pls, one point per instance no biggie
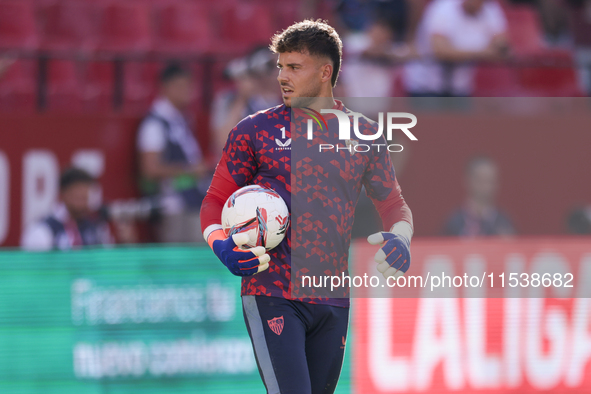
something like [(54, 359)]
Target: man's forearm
[(457, 56)]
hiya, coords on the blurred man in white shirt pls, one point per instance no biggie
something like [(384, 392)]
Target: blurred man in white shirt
[(451, 37), (170, 159)]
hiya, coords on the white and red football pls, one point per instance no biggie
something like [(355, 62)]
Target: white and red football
[(258, 211)]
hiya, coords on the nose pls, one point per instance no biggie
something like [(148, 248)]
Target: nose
[(281, 77)]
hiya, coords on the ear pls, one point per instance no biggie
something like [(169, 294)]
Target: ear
[(326, 70)]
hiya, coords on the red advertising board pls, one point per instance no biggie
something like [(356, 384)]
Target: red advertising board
[(531, 339)]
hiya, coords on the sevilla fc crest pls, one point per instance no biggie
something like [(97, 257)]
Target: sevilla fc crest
[(276, 324)]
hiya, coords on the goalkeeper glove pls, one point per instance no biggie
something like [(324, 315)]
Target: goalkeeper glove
[(240, 262), (393, 258)]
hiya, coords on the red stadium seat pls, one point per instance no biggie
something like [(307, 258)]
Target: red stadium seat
[(182, 27), (524, 29), (124, 27), (552, 74), (17, 25), (285, 13), (65, 25), (243, 25), (492, 80), (18, 87), (98, 86), (64, 87), (140, 86)]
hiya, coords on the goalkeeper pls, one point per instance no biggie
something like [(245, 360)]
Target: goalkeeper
[(299, 343)]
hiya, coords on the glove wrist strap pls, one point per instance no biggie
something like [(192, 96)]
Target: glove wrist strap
[(214, 236), (403, 230)]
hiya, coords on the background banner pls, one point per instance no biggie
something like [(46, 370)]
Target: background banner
[(155, 320), (521, 343)]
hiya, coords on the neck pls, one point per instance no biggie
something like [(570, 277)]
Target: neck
[(469, 11), (172, 104), (323, 102)]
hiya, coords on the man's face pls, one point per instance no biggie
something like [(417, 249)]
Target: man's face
[(473, 7), (381, 35), (300, 75), (483, 182), (180, 91), (76, 197)]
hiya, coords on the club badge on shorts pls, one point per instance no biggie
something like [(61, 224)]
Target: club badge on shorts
[(276, 325)]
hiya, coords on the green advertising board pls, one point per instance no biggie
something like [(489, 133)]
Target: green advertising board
[(124, 320)]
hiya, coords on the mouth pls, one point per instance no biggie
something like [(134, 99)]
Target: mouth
[(286, 91)]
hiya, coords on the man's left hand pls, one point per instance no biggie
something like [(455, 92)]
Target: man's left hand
[(393, 258)]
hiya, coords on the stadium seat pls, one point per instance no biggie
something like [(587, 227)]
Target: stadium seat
[(124, 27), (524, 29), (182, 27), (492, 80), (17, 25), (285, 13), (242, 26), (140, 86), (18, 87), (98, 86), (551, 74), (65, 25), (64, 87)]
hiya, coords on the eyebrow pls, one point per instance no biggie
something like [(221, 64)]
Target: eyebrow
[(290, 64)]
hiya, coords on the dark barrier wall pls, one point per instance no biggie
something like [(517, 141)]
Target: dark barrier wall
[(544, 162)]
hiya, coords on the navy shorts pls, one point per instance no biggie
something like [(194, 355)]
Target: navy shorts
[(299, 347)]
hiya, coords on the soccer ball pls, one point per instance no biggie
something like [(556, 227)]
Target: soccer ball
[(258, 211)]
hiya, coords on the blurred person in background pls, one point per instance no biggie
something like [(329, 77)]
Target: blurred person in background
[(579, 12), (75, 221), (369, 60), (451, 37), (553, 17), (254, 90), (359, 15), (171, 163), (578, 220), (479, 215)]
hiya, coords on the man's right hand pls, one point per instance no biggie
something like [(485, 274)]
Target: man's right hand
[(240, 262)]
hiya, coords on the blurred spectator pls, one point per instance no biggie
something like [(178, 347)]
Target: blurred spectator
[(170, 159), (578, 220), (255, 89), (359, 15), (5, 63), (452, 35), (74, 222), (580, 21), (368, 60), (479, 216), (553, 15), (553, 19)]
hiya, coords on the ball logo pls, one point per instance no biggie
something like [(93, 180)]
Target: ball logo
[(282, 220), (276, 325)]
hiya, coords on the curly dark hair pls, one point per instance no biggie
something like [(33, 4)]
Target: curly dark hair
[(315, 36)]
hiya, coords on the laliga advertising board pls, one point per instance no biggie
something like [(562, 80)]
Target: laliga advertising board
[(520, 336)]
